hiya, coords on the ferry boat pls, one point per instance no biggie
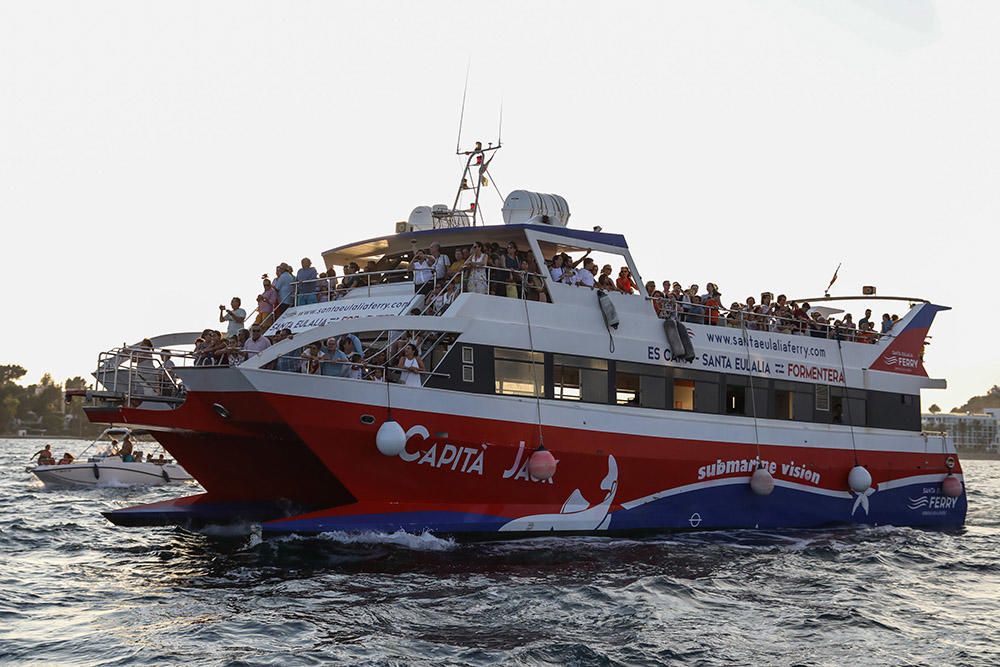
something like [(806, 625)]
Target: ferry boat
[(542, 407)]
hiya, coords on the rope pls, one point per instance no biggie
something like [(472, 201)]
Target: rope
[(847, 398), (753, 399), (534, 375)]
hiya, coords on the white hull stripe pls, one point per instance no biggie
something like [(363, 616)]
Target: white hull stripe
[(612, 419), (745, 479)]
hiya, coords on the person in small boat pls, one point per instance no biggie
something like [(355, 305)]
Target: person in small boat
[(66, 459), (44, 456), (126, 449)]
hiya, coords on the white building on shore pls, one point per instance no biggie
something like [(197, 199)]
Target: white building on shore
[(970, 431)]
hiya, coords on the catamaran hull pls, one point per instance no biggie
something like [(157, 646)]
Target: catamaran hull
[(466, 473)]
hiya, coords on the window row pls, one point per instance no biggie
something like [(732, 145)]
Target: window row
[(573, 378)]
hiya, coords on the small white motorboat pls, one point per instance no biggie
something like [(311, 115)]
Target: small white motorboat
[(111, 467)]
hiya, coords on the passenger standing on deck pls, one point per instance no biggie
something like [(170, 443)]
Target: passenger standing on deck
[(267, 301), (256, 343), (865, 321), (476, 264), (423, 272), (410, 364), (312, 359), (625, 282), (235, 315), (585, 276), (441, 263), (556, 270), (284, 283), (306, 277)]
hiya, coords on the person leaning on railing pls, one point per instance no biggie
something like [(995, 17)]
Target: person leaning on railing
[(267, 301)]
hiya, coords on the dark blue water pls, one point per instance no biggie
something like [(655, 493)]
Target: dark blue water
[(76, 590)]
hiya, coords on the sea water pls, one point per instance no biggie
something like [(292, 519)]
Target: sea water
[(75, 589)]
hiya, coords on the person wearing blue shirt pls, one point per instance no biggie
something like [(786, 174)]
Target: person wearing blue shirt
[(307, 277), (284, 283)]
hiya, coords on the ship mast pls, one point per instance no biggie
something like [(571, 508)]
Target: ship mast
[(476, 175)]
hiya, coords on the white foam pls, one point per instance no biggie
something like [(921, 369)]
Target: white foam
[(423, 542)]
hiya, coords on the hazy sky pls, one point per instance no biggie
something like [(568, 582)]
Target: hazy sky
[(156, 158)]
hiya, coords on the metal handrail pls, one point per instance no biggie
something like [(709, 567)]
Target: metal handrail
[(330, 283), (796, 325)]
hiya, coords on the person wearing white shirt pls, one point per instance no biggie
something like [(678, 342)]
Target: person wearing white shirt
[(423, 272), (557, 268), (235, 316), (585, 276), (441, 262)]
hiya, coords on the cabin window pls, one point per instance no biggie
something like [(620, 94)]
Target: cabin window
[(823, 397), (736, 399), (627, 389), (784, 404), (848, 406), (579, 379), (641, 385), (517, 372), (683, 394)]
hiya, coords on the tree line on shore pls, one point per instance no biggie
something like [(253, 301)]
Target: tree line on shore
[(976, 404), (40, 408)]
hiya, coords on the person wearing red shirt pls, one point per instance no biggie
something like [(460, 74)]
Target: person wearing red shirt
[(626, 283)]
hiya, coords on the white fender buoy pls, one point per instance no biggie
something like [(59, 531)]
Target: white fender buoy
[(541, 465), (761, 482), (859, 479), (390, 438), (951, 486)]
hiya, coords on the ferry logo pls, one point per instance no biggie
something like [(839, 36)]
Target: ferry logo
[(695, 520), (933, 503), (862, 500), (891, 361)]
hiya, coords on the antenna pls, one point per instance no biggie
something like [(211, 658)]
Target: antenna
[(461, 118), (500, 128)]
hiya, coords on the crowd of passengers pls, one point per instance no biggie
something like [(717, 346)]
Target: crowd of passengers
[(488, 268), (341, 356), (769, 314), (484, 268)]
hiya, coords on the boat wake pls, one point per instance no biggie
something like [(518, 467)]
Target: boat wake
[(413, 541)]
